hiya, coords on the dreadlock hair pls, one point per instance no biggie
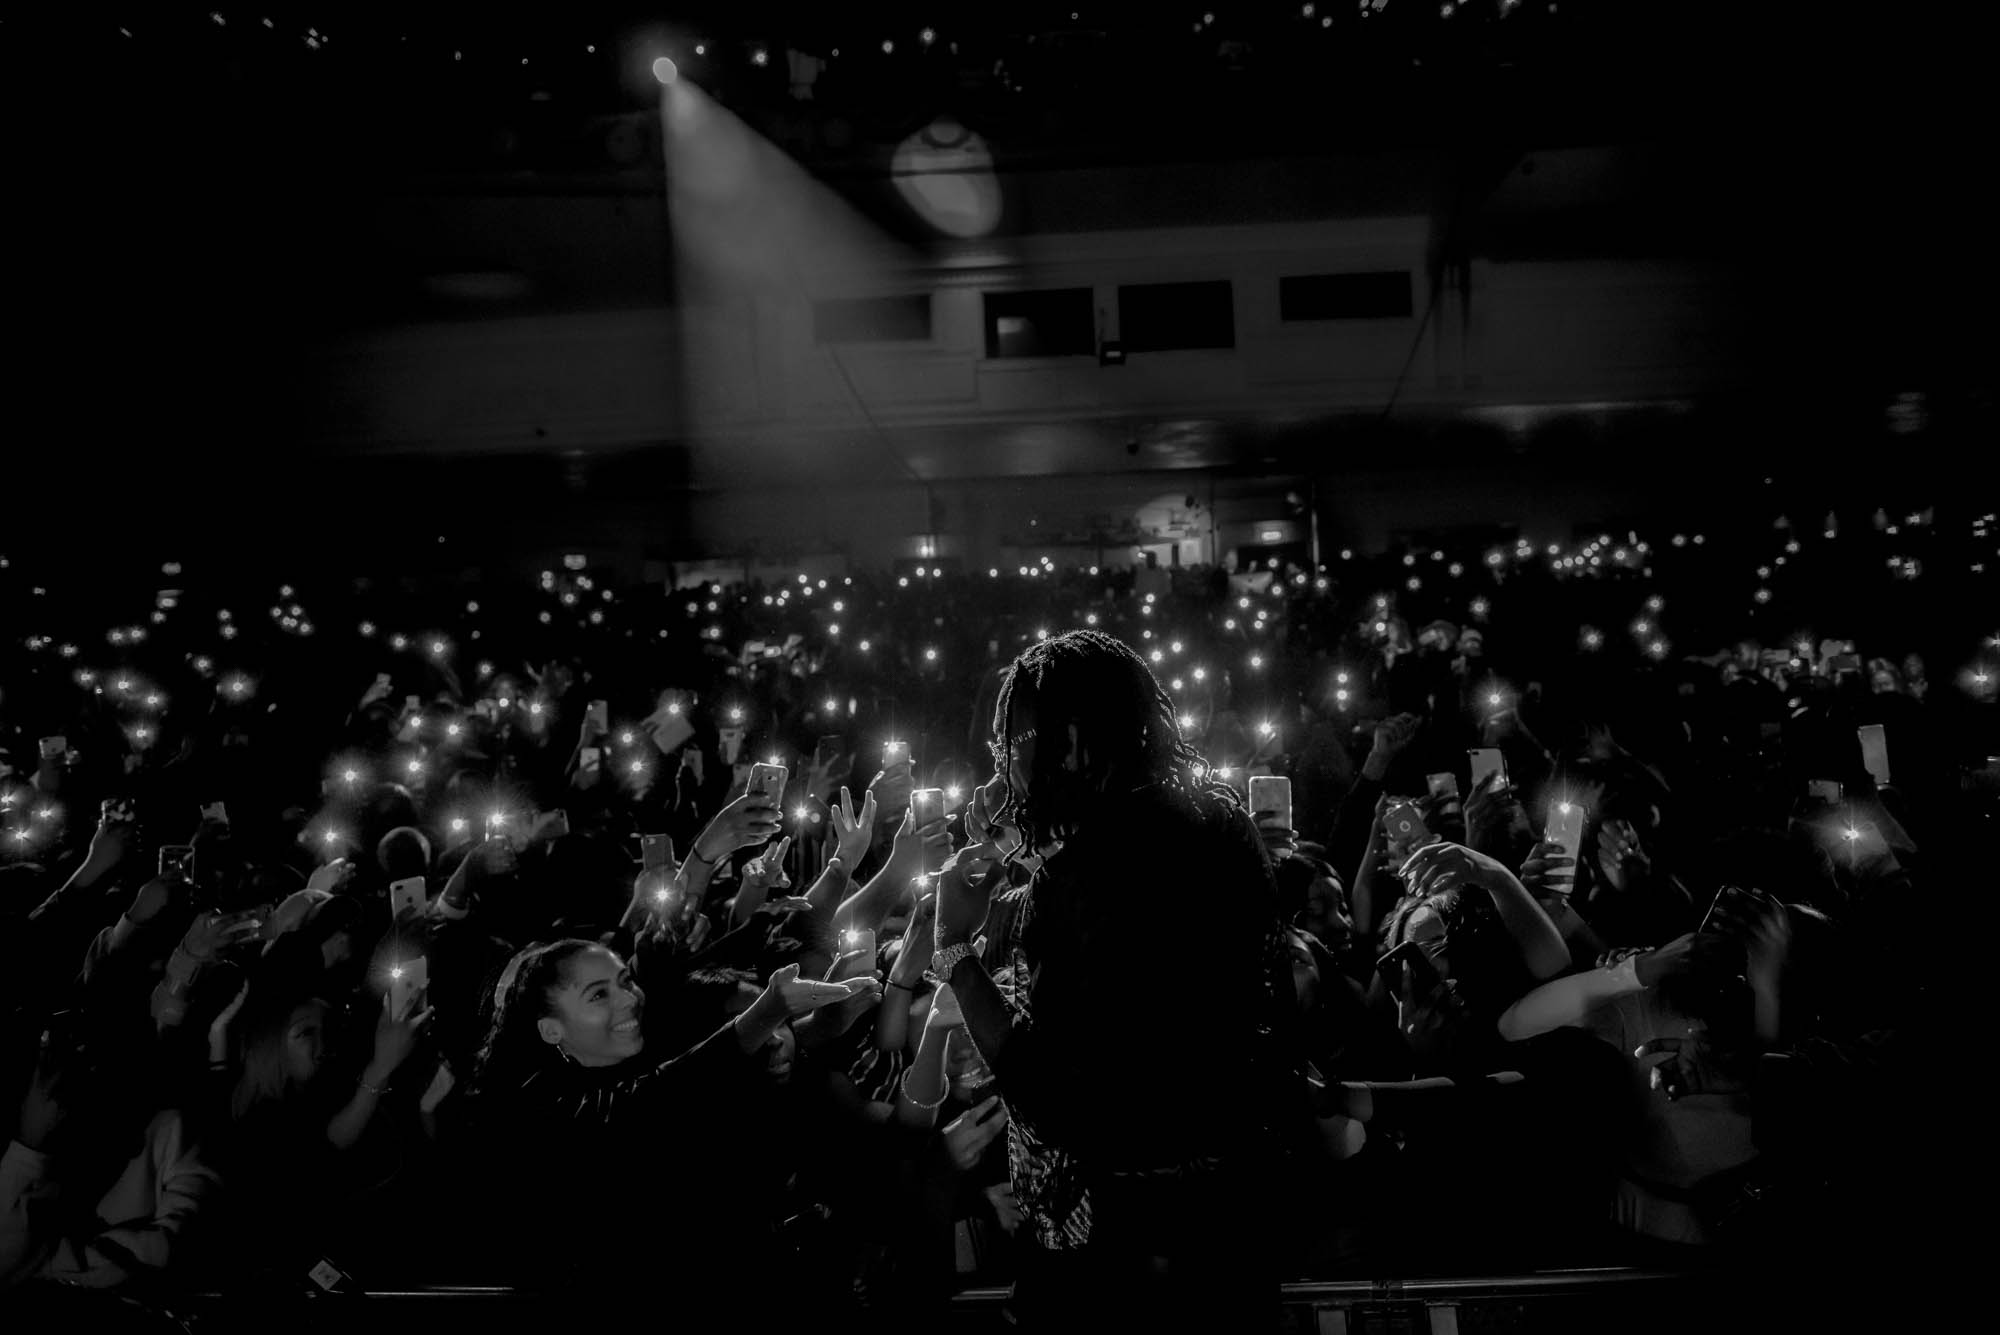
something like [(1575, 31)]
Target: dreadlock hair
[(524, 995), (1127, 732)]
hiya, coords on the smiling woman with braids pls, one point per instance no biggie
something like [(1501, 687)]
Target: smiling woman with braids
[(586, 1114), (1152, 956)]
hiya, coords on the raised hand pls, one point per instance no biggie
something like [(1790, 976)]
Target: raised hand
[(1005, 1208), (789, 996), (1620, 857), (331, 876), (750, 820), (855, 831), (965, 890), (396, 1034), (891, 788), (1764, 926), (1393, 736), (1686, 1066), (968, 1136), (218, 1028), (1549, 872), (212, 933), (1436, 867), (1490, 811)]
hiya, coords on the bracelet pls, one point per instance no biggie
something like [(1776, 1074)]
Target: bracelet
[(918, 1103), (912, 989), (372, 1090)]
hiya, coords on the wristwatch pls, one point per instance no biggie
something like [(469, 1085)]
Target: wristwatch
[(944, 961)]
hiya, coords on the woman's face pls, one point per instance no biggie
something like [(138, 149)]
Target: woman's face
[(1325, 908), (1913, 667), (963, 1065), (597, 1011), (1884, 683), (305, 1042), (780, 1048)]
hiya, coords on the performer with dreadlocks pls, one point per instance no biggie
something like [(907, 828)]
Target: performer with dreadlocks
[(1134, 1049)]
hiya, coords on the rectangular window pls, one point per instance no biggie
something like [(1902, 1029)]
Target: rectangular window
[(873, 320), (1157, 317), (1345, 296), (1057, 323)]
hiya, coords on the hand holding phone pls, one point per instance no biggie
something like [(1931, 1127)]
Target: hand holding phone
[(1272, 793), (408, 897), (1565, 827), (768, 780), (407, 982), (1488, 760)]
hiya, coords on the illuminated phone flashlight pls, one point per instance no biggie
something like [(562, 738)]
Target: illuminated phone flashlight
[(864, 646), (1494, 699), (122, 685), (953, 794), (1158, 655), (415, 766), (625, 738), (399, 642), (237, 686), (452, 729), (1563, 807), (638, 767), (142, 732), (832, 705), (1201, 674), (330, 837), (799, 813), (1176, 684), (458, 824), (437, 648), (924, 882), (660, 895), (504, 702), (1187, 722), (152, 702), (396, 971), (930, 655), (736, 714), (1593, 639), (535, 708), (1340, 696), (1266, 728)]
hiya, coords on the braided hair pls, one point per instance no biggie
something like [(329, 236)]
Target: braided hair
[(524, 995), (1127, 731)]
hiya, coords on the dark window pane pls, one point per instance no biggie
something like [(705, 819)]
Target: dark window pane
[(1155, 317), (1057, 323), (873, 320), (1345, 296)]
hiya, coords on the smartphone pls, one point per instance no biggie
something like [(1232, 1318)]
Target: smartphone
[(768, 780), (54, 748), (656, 851), (1404, 824), (851, 940), (829, 750), (1565, 827), (408, 895), (217, 812), (590, 759), (384, 679), (1488, 760), (894, 753), (1443, 785), (1875, 751), (413, 704), (407, 982), (600, 715), (1273, 793), (1824, 790), (177, 862), (927, 804), (559, 825)]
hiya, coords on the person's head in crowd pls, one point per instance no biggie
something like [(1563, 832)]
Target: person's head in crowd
[(286, 1039), (1478, 968), (389, 806), (1439, 637), (567, 1002), (1472, 643), (1884, 678), (1080, 717), (402, 853), (1310, 894)]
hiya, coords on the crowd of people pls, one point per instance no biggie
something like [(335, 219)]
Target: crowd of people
[(842, 942)]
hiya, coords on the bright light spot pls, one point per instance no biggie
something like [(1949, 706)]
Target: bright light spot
[(1493, 699), (1266, 728), (1158, 656), (1187, 722), (930, 655), (349, 776)]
